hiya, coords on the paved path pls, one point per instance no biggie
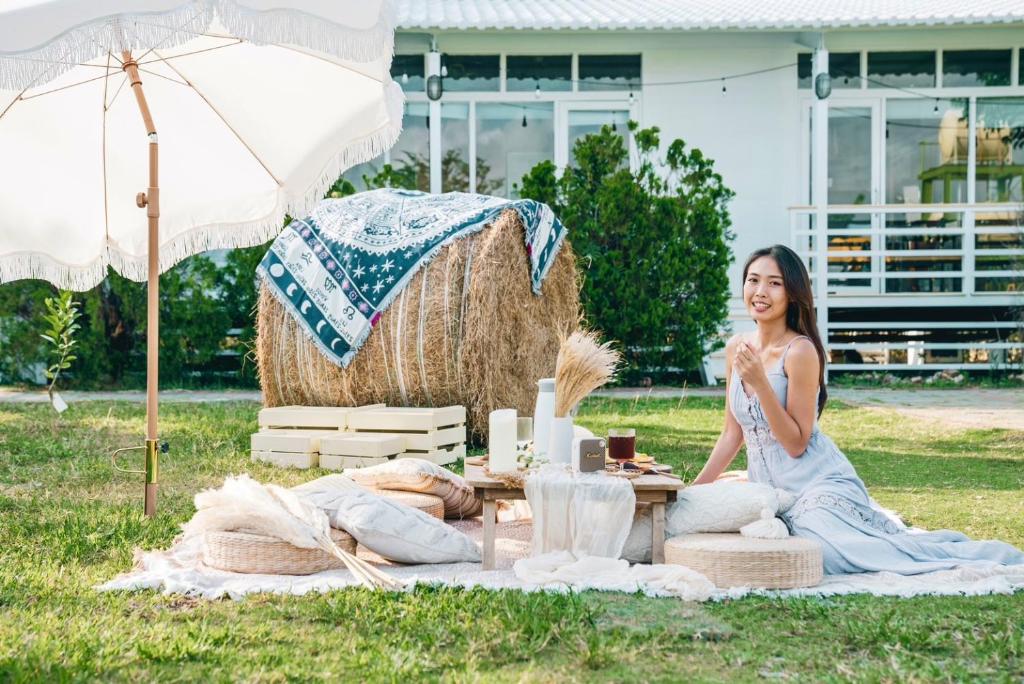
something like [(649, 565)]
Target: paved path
[(967, 407), (963, 407)]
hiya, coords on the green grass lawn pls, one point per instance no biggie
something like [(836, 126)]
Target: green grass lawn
[(67, 522)]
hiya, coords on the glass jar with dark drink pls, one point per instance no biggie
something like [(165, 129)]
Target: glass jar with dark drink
[(621, 444)]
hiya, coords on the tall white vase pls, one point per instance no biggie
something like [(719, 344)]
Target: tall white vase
[(543, 414), (560, 441)]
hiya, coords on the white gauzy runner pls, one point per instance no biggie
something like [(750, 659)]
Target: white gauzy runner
[(586, 514)]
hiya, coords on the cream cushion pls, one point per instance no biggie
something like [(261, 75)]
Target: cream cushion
[(388, 528), (424, 477), (723, 506)]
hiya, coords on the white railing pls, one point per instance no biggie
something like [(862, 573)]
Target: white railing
[(970, 255)]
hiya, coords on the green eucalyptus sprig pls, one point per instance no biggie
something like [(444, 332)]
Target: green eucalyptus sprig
[(62, 318)]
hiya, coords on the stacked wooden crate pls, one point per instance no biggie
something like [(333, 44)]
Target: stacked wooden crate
[(290, 435), (338, 438), (434, 434)]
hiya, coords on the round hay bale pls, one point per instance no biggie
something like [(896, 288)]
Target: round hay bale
[(466, 330)]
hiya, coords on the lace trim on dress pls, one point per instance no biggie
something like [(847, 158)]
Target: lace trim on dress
[(872, 518)]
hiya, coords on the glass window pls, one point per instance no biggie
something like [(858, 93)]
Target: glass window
[(528, 72), (455, 147), (609, 72), (510, 140), (410, 156), (843, 67), (901, 69), (999, 164), (471, 72), (925, 152), (408, 70), (587, 122), (849, 182), (975, 68)]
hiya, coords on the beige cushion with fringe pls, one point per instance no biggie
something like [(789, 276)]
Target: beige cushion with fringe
[(424, 477), (428, 503), (263, 555), (732, 560)]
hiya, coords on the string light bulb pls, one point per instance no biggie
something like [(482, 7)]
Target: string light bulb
[(723, 86), (524, 117), (536, 93), (936, 108), (630, 97)]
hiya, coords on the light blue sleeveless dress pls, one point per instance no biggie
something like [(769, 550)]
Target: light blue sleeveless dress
[(833, 506)]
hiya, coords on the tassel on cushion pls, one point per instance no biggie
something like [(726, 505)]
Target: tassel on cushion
[(768, 527)]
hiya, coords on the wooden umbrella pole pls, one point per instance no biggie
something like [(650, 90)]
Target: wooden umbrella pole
[(150, 200)]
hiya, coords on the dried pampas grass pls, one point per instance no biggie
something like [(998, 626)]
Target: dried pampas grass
[(242, 504), (583, 365)]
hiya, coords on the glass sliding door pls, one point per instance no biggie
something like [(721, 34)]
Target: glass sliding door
[(853, 179)]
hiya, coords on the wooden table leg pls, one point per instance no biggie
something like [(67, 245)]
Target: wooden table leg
[(657, 532), (490, 517)]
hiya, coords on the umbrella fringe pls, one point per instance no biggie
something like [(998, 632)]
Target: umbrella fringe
[(178, 26), (315, 33), (215, 236), (85, 42)]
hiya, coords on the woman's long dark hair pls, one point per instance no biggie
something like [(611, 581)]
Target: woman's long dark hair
[(800, 310)]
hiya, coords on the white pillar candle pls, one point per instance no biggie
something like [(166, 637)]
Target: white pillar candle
[(501, 440)]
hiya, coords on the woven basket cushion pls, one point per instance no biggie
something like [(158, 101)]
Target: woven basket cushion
[(428, 503), (419, 475), (732, 560), (398, 532), (259, 554), (722, 506)]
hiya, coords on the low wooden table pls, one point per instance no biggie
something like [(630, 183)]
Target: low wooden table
[(654, 489)]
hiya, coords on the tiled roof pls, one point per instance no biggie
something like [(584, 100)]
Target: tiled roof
[(701, 14)]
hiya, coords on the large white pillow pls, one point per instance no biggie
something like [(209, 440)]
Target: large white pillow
[(401, 533), (419, 475), (388, 528), (723, 506)]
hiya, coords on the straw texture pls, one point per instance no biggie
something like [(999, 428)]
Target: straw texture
[(466, 330), (262, 555), (428, 503), (732, 560)]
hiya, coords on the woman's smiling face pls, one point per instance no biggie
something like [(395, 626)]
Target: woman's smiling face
[(764, 291)]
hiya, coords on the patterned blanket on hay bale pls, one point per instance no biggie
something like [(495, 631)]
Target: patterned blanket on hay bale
[(338, 269), (467, 324)]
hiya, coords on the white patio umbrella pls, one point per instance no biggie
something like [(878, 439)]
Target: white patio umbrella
[(260, 106)]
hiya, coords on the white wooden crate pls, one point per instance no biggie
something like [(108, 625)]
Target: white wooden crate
[(333, 462), (294, 441), (400, 419), (323, 417), (363, 445), (438, 456), (303, 461), (426, 441)]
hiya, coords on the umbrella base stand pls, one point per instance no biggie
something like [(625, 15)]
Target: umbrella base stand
[(152, 474), (151, 471)]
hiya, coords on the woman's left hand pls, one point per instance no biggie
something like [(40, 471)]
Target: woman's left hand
[(748, 365)]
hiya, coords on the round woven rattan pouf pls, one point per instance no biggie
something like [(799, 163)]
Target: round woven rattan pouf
[(256, 554), (732, 560), (428, 503)]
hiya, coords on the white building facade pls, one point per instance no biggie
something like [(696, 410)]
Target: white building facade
[(902, 188)]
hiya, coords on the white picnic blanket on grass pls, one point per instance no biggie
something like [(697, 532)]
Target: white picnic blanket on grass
[(175, 574)]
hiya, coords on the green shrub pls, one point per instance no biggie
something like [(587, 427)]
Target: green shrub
[(653, 245)]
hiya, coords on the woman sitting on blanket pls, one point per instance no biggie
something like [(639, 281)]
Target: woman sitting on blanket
[(776, 391)]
